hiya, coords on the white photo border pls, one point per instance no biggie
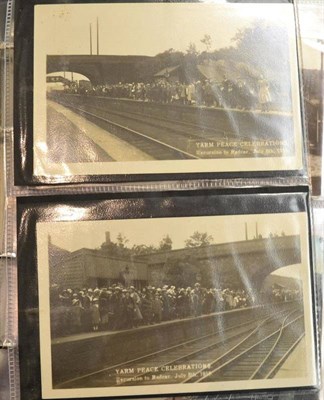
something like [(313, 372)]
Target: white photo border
[(43, 229)]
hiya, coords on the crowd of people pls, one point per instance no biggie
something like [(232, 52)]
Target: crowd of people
[(118, 307), (280, 294), (208, 93)]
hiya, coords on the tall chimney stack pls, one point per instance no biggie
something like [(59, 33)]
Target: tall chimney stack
[(108, 240)]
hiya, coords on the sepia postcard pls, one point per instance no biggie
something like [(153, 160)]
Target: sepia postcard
[(152, 88), (159, 306), (311, 21)]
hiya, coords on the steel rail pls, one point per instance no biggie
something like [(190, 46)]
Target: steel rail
[(193, 353), (160, 352), (223, 356), (272, 349), (243, 353), (170, 121), (204, 349), (284, 357), (133, 132), (153, 354), (228, 135)]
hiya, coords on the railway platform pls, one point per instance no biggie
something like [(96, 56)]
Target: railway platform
[(212, 347), (76, 352), (177, 132), (86, 140), (294, 362)]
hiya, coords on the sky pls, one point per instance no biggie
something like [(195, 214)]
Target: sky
[(91, 234), (293, 271), (148, 29), (69, 75), (143, 29)]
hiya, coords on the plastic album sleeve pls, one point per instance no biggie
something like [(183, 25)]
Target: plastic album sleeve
[(163, 294)]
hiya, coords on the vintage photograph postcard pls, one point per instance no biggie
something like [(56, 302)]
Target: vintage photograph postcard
[(311, 22), (175, 305), (152, 88)]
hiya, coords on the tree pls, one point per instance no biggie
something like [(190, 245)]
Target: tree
[(198, 239), (181, 273), (207, 41), (169, 58), (165, 243), (191, 56), (192, 49), (121, 241), (142, 249), (253, 45)]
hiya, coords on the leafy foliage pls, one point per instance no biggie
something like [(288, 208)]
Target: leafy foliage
[(165, 243), (250, 49), (180, 273), (198, 239)]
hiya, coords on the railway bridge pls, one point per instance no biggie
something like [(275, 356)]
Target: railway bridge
[(243, 264), (239, 264), (99, 69)]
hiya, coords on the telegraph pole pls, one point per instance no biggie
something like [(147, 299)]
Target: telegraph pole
[(97, 36), (90, 39)]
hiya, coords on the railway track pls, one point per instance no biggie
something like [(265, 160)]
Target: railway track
[(152, 146), (209, 355), (108, 374), (159, 137), (191, 130), (231, 359), (257, 356)]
